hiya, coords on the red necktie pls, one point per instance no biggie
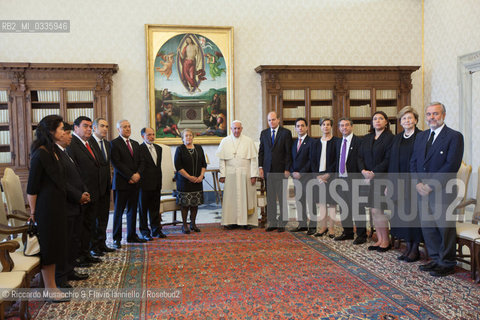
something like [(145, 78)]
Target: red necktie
[(299, 144), (129, 147), (90, 150)]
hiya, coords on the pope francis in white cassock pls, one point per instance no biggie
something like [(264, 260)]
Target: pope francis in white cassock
[(238, 163)]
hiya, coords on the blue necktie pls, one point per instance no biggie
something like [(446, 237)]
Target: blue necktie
[(103, 150), (273, 136)]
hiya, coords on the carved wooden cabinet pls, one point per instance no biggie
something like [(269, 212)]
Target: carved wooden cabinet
[(30, 91), (314, 92)]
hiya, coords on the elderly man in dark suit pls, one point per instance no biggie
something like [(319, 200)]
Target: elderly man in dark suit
[(127, 165), (437, 156), (150, 186), (87, 160), (274, 161), (77, 196), (101, 146), (347, 149), (300, 170)]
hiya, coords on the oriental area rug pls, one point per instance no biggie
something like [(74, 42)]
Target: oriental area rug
[(252, 274)]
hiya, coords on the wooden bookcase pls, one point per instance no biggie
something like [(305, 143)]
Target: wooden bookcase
[(314, 92), (30, 91)]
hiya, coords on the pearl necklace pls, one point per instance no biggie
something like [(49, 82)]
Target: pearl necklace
[(408, 136)]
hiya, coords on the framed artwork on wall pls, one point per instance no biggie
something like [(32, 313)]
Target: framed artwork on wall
[(190, 82)]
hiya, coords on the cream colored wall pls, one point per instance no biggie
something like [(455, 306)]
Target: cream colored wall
[(317, 32), (452, 31)]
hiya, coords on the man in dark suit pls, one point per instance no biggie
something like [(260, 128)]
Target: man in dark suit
[(87, 161), (127, 165), (437, 156), (77, 196), (274, 161), (150, 186), (102, 147), (300, 169), (347, 168)]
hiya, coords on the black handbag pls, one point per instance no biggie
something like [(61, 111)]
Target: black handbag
[(32, 245)]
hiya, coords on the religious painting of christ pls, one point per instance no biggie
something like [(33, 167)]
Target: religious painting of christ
[(190, 77)]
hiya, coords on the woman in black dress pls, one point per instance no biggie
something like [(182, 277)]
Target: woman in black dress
[(46, 193), (398, 168), (372, 162), (190, 165), (323, 159)]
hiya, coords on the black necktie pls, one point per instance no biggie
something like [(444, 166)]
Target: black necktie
[(429, 142)]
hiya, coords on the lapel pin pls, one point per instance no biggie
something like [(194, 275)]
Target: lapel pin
[(441, 152)]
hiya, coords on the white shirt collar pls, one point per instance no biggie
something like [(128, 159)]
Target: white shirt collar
[(76, 135), (60, 147), (437, 131)]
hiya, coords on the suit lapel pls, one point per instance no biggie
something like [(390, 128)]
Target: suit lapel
[(437, 143), (84, 149)]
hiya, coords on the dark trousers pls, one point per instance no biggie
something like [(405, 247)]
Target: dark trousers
[(87, 237), (102, 220), (303, 207), (274, 188), (351, 212), (125, 199), (62, 270), (149, 205), (439, 234)]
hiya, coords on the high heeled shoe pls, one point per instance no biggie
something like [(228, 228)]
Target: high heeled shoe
[(320, 234), (381, 249), (185, 229), (194, 228), (415, 258)]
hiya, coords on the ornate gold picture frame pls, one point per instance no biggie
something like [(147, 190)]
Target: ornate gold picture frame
[(190, 81)]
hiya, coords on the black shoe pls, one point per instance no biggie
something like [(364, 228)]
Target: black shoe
[(428, 267), (75, 276), (311, 231), (104, 248), (136, 239), (194, 228), (401, 257), (343, 237), (299, 229), (382, 249), (92, 259), (280, 229), (360, 240), (331, 235), (117, 244), (81, 263), (247, 227), (185, 230), (97, 253), (65, 285), (147, 238), (160, 234), (373, 248), (320, 234), (270, 229), (408, 259), (442, 271)]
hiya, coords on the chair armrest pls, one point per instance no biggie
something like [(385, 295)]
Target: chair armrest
[(14, 216), (5, 259), (4, 229), (466, 203), (21, 213)]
